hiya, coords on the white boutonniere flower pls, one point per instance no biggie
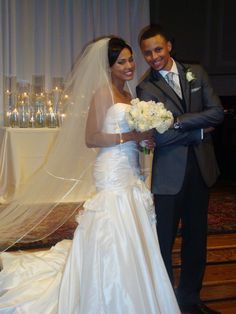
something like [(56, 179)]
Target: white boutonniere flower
[(190, 76)]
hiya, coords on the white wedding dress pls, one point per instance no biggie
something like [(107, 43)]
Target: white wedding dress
[(113, 265)]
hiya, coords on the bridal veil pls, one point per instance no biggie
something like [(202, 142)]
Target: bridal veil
[(66, 175)]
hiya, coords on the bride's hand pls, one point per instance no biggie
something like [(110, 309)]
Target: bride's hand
[(150, 144), (146, 136)]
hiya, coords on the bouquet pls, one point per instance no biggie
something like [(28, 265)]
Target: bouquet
[(145, 115)]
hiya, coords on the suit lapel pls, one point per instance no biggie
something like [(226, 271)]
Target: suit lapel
[(184, 85), (161, 84)]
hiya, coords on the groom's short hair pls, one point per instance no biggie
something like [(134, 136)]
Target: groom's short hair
[(153, 30)]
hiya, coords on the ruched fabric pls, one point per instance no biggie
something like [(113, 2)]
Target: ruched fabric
[(115, 264)]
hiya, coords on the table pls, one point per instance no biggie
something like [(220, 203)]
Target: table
[(22, 152)]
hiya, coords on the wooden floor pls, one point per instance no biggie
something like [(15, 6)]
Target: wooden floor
[(219, 284)]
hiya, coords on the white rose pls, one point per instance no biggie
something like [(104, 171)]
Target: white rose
[(135, 101), (190, 76)]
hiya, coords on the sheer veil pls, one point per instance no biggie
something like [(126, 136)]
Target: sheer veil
[(66, 175)]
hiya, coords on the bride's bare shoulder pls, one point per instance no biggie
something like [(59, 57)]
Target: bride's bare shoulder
[(103, 96)]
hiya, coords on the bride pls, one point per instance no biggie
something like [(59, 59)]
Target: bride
[(113, 264)]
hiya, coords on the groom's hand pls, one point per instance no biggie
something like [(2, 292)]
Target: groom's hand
[(208, 130)]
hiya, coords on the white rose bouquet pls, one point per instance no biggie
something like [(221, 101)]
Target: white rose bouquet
[(145, 115)]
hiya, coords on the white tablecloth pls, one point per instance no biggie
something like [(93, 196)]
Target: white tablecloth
[(22, 152)]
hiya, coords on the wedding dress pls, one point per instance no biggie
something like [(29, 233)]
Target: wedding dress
[(113, 265)]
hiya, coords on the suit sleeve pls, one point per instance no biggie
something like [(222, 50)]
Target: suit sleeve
[(172, 136), (212, 112), (176, 137)]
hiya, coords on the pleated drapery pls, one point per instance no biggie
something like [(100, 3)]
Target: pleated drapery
[(41, 39)]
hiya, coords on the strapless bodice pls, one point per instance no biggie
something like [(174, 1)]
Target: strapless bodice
[(118, 165), (115, 120)]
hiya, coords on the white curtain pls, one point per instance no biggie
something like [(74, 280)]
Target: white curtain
[(41, 39)]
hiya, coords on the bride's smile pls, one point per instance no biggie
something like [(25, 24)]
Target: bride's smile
[(123, 68)]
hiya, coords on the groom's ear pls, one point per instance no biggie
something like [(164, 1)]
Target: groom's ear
[(169, 46)]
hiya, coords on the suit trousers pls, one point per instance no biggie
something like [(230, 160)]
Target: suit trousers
[(190, 206)]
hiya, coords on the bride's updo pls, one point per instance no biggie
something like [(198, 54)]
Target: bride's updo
[(115, 46)]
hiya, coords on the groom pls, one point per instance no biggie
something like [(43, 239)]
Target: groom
[(184, 164)]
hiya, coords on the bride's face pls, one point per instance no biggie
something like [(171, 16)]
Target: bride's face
[(123, 68)]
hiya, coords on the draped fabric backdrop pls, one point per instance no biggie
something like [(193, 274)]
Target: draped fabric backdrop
[(41, 39)]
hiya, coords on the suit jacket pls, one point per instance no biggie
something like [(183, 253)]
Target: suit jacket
[(203, 109)]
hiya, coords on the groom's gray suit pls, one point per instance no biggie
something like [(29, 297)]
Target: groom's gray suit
[(184, 166), (203, 109)]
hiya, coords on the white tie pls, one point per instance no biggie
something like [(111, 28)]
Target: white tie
[(173, 84)]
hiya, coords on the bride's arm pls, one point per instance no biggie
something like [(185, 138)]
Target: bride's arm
[(95, 137)]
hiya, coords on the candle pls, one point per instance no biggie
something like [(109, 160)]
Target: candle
[(62, 118), (14, 119), (56, 94), (52, 119), (8, 102), (8, 118), (32, 122), (39, 119)]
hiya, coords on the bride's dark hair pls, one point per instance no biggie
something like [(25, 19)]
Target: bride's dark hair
[(115, 46)]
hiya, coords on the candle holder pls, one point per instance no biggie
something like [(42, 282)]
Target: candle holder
[(23, 105), (39, 119), (55, 98), (62, 117), (39, 110), (7, 119), (23, 110), (32, 121), (9, 104), (9, 98), (52, 121), (14, 118), (29, 106), (63, 105)]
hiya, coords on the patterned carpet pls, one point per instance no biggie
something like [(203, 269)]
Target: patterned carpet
[(221, 218), (222, 208)]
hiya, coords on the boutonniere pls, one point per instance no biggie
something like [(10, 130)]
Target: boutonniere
[(190, 76)]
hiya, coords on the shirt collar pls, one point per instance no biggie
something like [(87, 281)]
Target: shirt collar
[(173, 69)]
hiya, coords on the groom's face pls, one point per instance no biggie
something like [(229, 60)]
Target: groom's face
[(156, 51)]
